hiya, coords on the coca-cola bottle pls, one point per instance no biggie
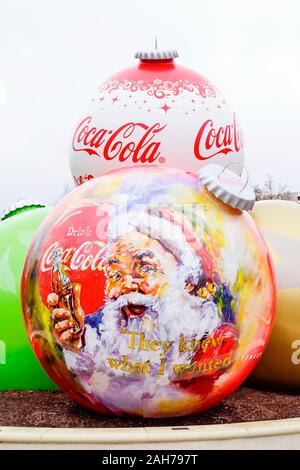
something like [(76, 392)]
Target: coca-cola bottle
[(63, 288)]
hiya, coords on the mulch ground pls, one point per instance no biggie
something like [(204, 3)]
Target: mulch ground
[(54, 409)]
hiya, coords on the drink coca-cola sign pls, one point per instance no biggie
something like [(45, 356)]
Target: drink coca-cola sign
[(88, 255), (76, 237)]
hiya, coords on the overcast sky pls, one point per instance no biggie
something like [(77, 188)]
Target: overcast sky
[(54, 53)]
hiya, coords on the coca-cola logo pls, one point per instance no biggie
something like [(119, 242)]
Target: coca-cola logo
[(212, 140), (89, 255), (133, 140)]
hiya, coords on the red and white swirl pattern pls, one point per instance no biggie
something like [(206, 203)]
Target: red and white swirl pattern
[(161, 88)]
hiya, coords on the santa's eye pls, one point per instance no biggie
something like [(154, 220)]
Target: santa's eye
[(147, 268), (115, 276)]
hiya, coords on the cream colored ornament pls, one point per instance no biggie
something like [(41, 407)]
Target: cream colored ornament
[(279, 222)]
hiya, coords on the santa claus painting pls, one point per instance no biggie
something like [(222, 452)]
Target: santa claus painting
[(167, 328), (144, 294)]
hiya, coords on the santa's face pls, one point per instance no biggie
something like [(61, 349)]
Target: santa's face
[(147, 298), (137, 264)]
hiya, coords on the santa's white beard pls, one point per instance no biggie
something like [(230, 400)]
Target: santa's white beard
[(166, 318)]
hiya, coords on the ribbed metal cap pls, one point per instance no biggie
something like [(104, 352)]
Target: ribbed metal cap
[(156, 55), (19, 206), (227, 186)]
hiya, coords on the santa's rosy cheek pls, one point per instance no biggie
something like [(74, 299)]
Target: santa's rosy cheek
[(113, 292), (152, 286), (147, 286)]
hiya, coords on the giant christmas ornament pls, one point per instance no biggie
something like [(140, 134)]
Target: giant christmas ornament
[(279, 222), (19, 368), (156, 112), (144, 294)]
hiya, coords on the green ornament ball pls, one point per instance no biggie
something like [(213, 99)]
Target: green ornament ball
[(19, 368)]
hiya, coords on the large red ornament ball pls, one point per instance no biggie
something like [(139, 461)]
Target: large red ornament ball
[(144, 294), (156, 112)]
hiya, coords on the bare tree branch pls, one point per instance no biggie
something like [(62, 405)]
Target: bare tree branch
[(270, 190)]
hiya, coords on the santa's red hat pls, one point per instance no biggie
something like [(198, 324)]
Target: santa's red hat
[(173, 230)]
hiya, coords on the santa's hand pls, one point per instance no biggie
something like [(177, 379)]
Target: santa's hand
[(67, 330)]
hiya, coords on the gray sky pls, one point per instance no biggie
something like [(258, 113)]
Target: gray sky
[(54, 53)]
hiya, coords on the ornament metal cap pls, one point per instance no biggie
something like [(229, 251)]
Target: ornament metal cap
[(156, 55), (19, 206), (228, 186)]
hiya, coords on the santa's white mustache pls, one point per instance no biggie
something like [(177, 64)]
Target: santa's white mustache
[(134, 298)]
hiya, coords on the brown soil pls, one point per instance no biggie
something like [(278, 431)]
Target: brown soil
[(54, 409)]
